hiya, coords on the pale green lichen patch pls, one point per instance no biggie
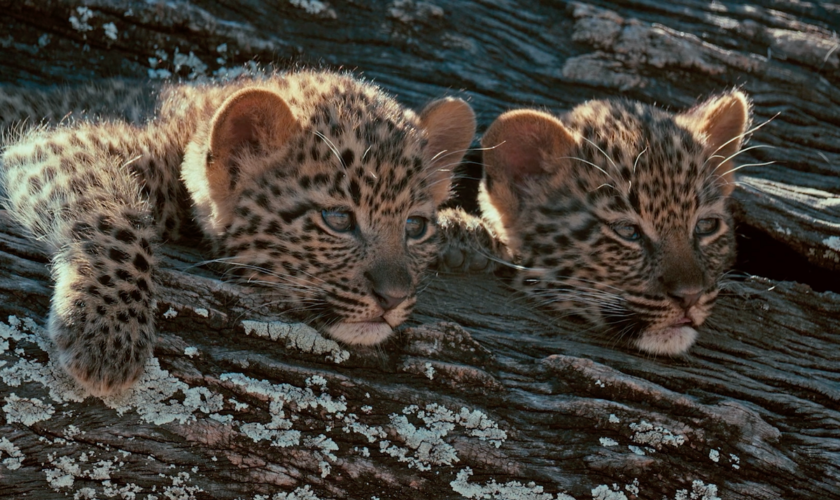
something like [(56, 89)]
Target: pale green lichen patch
[(60, 386), (304, 493), (64, 473), (27, 411), (324, 446), (513, 490), (603, 492), (315, 7), (158, 398), (655, 436), (278, 430), (371, 432), (65, 470), (699, 491), (633, 488), (605, 441), (180, 490), (298, 336), (479, 425), (14, 457), (638, 451), (80, 22), (429, 371), (832, 242), (110, 30), (152, 398), (425, 445), (127, 492)]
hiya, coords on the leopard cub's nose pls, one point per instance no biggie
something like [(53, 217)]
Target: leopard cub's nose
[(389, 300), (686, 297), (390, 285)]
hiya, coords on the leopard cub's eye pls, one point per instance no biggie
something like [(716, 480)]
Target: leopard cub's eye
[(629, 232), (705, 227), (415, 227), (340, 221)]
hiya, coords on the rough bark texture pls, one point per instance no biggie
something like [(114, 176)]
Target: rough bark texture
[(482, 396)]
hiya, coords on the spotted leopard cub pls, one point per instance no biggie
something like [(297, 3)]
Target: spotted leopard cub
[(316, 185), (616, 212)]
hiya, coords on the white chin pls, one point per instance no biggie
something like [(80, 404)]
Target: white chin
[(364, 333), (668, 341)]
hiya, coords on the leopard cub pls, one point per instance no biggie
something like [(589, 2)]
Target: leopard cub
[(616, 212), (316, 185)]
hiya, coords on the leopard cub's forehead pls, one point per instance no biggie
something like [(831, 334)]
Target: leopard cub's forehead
[(358, 139), (632, 156), (632, 134)]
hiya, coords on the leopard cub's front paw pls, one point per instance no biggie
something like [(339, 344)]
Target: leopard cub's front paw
[(454, 257), (104, 353), (466, 244)]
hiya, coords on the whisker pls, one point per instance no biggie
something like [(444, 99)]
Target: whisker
[(740, 136), (739, 152), (603, 153), (444, 153), (590, 164), (747, 165), (637, 158), (332, 147)]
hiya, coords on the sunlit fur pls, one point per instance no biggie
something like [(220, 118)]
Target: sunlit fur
[(624, 164), (102, 194), (357, 150)]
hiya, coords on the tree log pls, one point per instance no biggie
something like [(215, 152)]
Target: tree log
[(481, 395)]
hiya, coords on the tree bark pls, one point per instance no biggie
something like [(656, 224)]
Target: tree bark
[(482, 395)]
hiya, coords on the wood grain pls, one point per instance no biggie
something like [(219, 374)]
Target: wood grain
[(753, 409)]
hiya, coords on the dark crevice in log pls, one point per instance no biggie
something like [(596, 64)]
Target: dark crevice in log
[(761, 255)]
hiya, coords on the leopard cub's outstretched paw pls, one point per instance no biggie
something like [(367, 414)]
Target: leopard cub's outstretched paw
[(100, 357), (467, 245), (103, 336)]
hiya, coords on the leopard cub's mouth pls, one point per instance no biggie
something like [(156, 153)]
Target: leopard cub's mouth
[(684, 321), (672, 338), (669, 341), (367, 332)]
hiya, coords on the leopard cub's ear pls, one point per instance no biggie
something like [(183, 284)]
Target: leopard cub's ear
[(722, 121), (450, 128), (251, 122), (520, 148)]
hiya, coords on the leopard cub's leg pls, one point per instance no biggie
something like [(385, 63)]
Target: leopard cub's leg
[(468, 244), (68, 190)]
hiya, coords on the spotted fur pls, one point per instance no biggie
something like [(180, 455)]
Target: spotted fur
[(617, 212), (316, 185)]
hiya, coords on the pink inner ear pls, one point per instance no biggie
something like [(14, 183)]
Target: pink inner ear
[(249, 117), (522, 154), (241, 131), (520, 142)]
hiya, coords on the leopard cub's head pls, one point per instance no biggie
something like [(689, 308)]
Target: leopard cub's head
[(617, 211), (324, 190)]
